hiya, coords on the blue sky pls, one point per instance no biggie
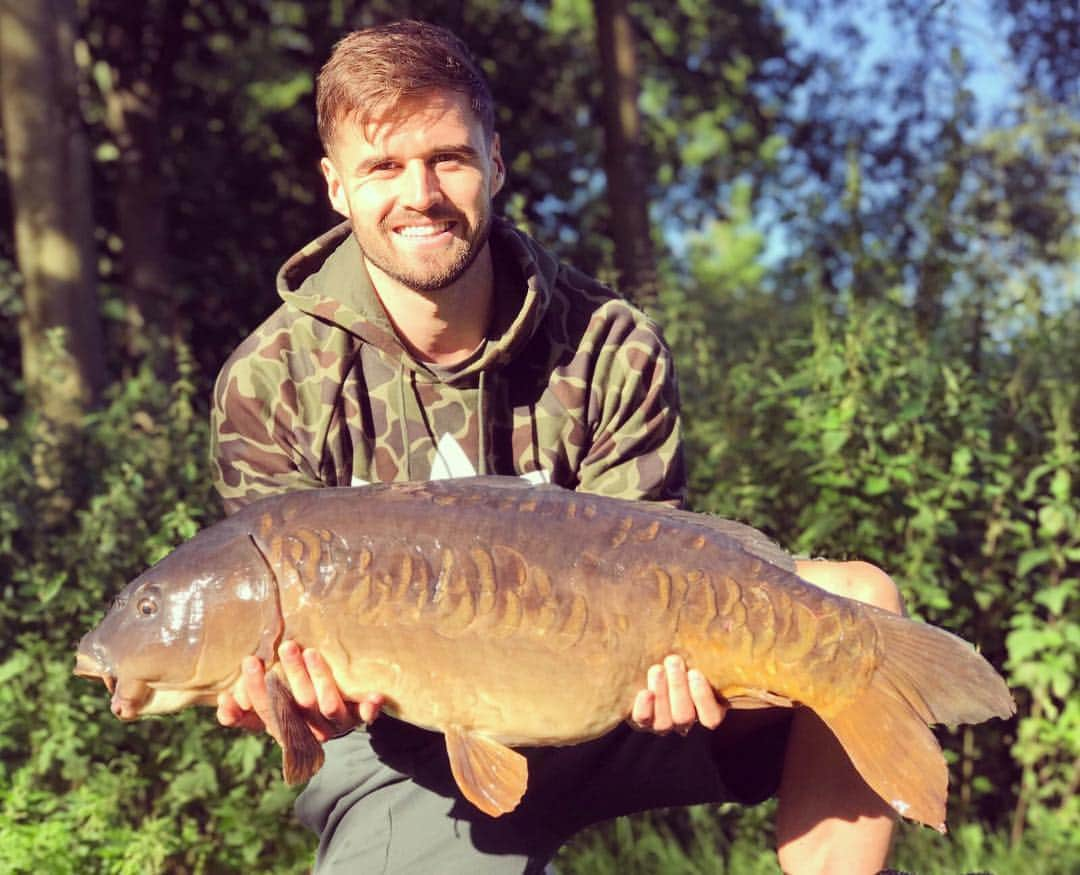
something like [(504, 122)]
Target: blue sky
[(980, 35)]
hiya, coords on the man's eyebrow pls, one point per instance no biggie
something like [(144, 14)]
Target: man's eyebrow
[(456, 149), (463, 149)]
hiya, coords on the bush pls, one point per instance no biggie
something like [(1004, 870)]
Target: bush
[(858, 438), (81, 791), (853, 438), (727, 840)]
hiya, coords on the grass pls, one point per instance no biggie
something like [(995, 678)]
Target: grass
[(727, 840)]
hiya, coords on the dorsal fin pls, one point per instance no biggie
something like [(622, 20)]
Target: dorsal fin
[(750, 539)]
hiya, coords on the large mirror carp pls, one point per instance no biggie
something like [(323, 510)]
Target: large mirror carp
[(507, 615)]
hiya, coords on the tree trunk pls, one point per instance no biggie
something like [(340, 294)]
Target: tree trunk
[(140, 47), (624, 159), (48, 169)]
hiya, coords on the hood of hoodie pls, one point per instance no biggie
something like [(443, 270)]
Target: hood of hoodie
[(328, 280)]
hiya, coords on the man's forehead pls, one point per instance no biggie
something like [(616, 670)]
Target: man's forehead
[(412, 113)]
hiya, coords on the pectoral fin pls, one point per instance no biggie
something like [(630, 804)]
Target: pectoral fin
[(491, 776), (301, 753)]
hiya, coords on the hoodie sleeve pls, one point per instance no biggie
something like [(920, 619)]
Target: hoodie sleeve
[(636, 447), (256, 448)]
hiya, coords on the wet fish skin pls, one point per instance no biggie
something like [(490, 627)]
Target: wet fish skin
[(503, 615)]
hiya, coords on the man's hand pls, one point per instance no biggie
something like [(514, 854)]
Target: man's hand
[(676, 699), (329, 714)]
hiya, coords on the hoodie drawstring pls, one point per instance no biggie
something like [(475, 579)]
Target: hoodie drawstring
[(403, 419), (481, 425), (487, 384)]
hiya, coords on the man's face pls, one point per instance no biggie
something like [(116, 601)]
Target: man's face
[(416, 184)]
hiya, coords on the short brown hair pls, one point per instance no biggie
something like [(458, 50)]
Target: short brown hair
[(372, 70)]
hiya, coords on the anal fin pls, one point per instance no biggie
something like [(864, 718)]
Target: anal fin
[(491, 775), (746, 698), (301, 754)]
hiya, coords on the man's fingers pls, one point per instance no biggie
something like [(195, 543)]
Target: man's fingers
[(370, 706), (235, 712), (680, 704), (296, 675), (641, 715), (327, 695), (657, 680), (710, 711), (676, 699), (229, 713), (255, 688), (249, 721)]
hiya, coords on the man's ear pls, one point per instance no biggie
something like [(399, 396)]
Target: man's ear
[(335, 189), (498, 173)]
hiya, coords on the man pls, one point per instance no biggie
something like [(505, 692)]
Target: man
[(426, 338)]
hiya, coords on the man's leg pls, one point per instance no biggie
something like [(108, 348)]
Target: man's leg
[(829, 820), (371, 817)]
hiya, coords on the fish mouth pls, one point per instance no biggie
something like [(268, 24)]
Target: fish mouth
[(126, 703), (87, 666), (124, 707)]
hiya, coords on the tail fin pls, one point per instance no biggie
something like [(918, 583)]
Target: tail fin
[(926, 676)]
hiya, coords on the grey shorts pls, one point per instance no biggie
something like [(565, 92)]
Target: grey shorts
[(385, 801)]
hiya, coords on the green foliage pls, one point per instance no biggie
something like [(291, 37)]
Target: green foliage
[(80, 791), (701, 840), (846, 433), (853, 436), (714, 840)]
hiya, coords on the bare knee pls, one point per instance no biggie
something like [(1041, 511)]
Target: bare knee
[(857, 580), (870, 584)]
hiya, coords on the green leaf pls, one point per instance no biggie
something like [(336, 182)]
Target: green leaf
[(1052, 520), (876, 485), (52, 586), (1054, 598), (15, 666), (1030, 559), (1024, 643), (961, 462), (1061, 485), (833, 440)]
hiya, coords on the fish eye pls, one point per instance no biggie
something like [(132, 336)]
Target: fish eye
[(147, 607)]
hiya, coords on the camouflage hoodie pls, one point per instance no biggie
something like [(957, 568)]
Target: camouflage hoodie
[(572, 386)]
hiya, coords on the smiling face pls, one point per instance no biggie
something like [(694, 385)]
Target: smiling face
[(417, 184)]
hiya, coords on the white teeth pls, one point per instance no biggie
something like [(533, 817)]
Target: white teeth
[(423, 230)]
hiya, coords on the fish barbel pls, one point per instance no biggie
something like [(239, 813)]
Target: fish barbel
[(506, 615)]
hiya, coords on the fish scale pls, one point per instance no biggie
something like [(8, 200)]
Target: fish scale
[(505, 615)]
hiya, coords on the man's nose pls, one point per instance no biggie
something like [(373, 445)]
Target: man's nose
[(421, 186)]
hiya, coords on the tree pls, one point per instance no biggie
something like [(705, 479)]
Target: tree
[(48, 172), (903, 178), (624, 161), (137, 45)]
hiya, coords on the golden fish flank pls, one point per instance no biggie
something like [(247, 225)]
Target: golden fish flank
[(502, 615)]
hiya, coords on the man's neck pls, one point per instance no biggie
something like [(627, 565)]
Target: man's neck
[(445, 326)]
